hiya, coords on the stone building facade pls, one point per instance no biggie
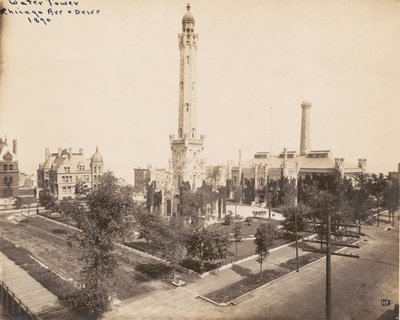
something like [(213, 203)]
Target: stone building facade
[(186, 163), (9, 171), (63, 170), (308, 164)]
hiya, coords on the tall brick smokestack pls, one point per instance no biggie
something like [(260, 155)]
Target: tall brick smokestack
[(305, 128)]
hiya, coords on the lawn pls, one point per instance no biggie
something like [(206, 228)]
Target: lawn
[(21, 257), (247, 284), (253, 281), (46, 241), (248, 230), (245, 248)]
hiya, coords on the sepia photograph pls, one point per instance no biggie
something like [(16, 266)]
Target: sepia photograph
[(199, 160)]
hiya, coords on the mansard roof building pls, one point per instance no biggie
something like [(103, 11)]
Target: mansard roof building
[(61, 171)]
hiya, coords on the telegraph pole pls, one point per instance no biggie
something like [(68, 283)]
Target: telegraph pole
[(328, 297), (329, 253), (295, 233)]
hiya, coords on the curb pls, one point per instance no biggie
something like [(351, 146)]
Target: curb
[(229, 265), (219, 304), (235, 301)]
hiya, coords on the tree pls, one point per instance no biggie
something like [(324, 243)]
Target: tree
[(289, 222), (151, 187), (189, 205), (360, 200), (392, 197), (208, 245), (222, 195), (289, 193), (147, 224), (265, 236), (104, 215), (273, 193), (170, 237), (193, 204), (237, 235), (46, 199), (378, 186), (249, 191)]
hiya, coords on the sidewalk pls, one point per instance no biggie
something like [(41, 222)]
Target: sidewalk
[(239, 271), (31, 292)]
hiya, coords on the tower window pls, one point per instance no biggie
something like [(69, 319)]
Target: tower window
[(187, 59), (187, 107)]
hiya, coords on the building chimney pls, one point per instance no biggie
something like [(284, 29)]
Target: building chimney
[(15, 146), (81, 151), (305, 128), (46, 153), (59, 152), (70, 153)]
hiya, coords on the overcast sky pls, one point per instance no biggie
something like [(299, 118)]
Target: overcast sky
[(112, 80)]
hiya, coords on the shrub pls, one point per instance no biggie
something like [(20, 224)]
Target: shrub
[(228, 219), (248, 220)]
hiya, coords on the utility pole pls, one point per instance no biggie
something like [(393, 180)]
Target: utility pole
[(329, 253), (295, 233), (328, 297)]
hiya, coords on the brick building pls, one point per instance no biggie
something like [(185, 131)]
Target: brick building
[(9, 171)]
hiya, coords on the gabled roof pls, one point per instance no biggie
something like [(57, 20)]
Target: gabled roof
[(7, 155)]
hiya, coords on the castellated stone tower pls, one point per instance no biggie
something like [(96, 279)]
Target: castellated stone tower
[(187, 164), (305, 128)]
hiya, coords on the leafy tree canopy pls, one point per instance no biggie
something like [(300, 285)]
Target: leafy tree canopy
[(104, 214), (208, 245)]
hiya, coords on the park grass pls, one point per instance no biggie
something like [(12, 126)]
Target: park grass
[(252, 281), (303, 260), (245, 285), (21, 257), (247, 230), (246, 248)]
